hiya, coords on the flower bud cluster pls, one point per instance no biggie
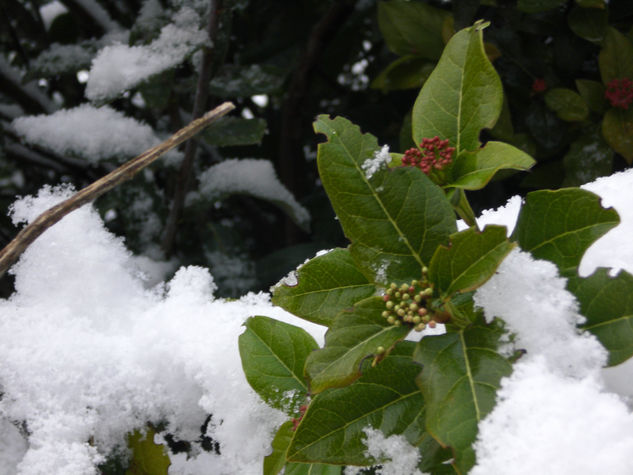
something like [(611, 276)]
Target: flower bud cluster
[(407, 304), (619, 92), (432, 154)]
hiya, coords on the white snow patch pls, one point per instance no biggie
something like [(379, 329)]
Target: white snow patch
[(94, 133), (380, 159), (396, 455), (119, 67), (252, 177)]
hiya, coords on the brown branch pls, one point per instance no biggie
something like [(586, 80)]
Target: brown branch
[(15, 248), (200, 101)]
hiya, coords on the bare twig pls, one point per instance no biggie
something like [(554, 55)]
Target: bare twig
[(15, 248), (200, 101)]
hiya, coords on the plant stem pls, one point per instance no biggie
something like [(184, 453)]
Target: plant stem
[(200, 101), (460, 203), (23, 240)]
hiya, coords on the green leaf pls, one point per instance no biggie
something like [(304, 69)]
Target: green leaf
[(273, 356), (473, 170), (588, 158), (616, 57), (462, 96), (148, 457), (470, 260), (591, 3), (246, 81), (407, 72), (275, 462), (560, 225), (385, 398), (567, 104), (230, 131), (325, 285), (412, 28), (607, 303), (504, 129), (588, 23), (617, 130), (395, 219), (355, 335), (312, 469), (535, 6), (459, 380), (592, 93)]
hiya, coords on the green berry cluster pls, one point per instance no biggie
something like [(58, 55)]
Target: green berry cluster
[(407, 304)]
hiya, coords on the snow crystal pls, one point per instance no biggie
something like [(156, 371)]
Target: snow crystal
[(94, 133), (394, 453), (120, 67), (547, 424), (12, 446), (252, 177), (372, 165), (88, 353)]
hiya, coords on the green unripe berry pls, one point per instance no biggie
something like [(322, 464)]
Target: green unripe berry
[(393, 286), (401, 312), (385, 314), (398, 295), (389, 291), (391, 319), (417, 319), (425, 270), (398, 323), (417, 298), (404, 287), (414, 282), (389, 304), (420, 327), (380, 350), (413, 307), (406, 296)]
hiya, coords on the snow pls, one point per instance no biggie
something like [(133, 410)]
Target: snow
[(89, 351), (557, 413), (119, 67), (50, 11), (380, 159), (93, 133), (252, 177), (394, 453)]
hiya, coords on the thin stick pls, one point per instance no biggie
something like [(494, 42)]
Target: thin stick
[(25, 238)]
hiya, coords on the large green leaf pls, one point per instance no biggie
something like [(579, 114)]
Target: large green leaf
[(592, 93), (473, 170), (395, 219), (617, 130), (607, 303), (276, 461), (385, 398), (246, 81), (273, 356), (616, 57), (560, 225), (355, 335), (462, 96), (229, 131), (459, 381), (148, 457), (325, 285), (567, 104), (412, 28), (588, 23), (470, 260)]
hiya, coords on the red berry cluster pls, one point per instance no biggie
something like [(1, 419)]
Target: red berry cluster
[(539, 85), (619, 92), (407, 305), (434, 154)]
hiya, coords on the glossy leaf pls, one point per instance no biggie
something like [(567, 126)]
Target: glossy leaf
[(273, 356), (395, 219), (567, 104), (588, 158), (407, 72), (412, 28), (148, 457), (473, 170), (470, 260), (246, 81), (617, 130), (325, 285), (460, 377), (462, 96), (588, 23), (312, 469), (355, 335), (560, 225), (385, 398), (230, 131), (607, 303), (592, 93), (616, 57)]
